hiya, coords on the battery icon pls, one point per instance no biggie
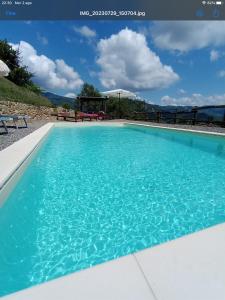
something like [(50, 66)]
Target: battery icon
[(218, 2)]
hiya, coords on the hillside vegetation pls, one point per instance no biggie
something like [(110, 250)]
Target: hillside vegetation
[(12, 92), (58, 100)]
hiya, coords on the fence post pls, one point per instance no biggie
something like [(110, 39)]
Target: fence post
[(175, 117), (195, 115), (158, 116)]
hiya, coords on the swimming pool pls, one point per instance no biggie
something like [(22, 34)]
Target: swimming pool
[(92, 194)]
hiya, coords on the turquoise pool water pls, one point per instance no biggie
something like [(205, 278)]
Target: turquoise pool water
[(96, 193)]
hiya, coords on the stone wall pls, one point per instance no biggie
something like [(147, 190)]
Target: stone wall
[(35, 112)]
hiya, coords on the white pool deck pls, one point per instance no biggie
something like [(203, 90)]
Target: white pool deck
[(188, 268)]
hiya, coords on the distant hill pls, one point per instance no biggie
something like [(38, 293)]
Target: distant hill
[(58, 100), (150, 107), (172, 108), (9, 91)]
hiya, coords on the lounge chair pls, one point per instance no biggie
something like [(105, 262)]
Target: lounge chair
[(16, 118), (77, 116), (65, 116), (3, 120), (103, 116), (84, 116)]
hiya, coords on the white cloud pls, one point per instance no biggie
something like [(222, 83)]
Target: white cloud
[(70, 95), (42, 39), (222, 73), (214, 55), (127, 62), (85, 31), (194, 100), (181, 92), (83, 60), (48, 73), (68, 40), (187, 35)]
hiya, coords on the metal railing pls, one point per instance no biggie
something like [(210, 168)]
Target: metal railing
[(192, 117)]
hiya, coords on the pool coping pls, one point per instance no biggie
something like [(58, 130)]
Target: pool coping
[(188, 268), (177, 129), (12, 157)]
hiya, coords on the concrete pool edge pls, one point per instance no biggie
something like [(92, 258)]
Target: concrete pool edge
[(13, 157), (188, 268), (177, 129)]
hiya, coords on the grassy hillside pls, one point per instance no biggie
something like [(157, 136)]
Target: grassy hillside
[(11, 92)]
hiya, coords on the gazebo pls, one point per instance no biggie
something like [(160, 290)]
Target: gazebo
[(86, 101)]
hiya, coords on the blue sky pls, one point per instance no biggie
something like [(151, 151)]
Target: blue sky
[(177, 63)]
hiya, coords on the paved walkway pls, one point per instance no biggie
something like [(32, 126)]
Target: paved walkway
[(17, 134)]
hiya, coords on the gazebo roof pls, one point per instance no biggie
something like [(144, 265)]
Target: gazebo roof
[(121, 92)]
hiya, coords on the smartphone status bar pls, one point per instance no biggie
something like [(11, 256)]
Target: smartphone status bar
[(117, 9)]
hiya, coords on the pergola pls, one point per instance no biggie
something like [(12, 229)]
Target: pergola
[(85, 100)]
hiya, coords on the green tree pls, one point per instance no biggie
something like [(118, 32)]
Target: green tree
[(18, 74), (125, 107), (66, 106), (89, 90), (9, 55)]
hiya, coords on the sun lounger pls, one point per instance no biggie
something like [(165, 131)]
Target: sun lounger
[(103, 116), (3, 120), (16, 118), (90, 117), (65, 116), (77, 116)]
